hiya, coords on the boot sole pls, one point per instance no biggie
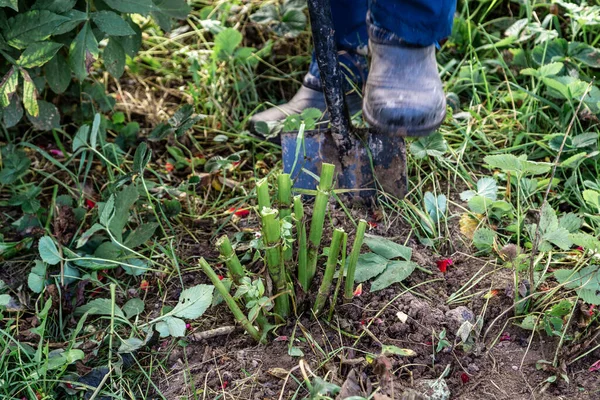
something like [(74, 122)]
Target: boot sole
[(402, 130)]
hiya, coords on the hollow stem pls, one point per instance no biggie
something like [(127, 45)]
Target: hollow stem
[(301, 237), (229, 300), (332, 259), (284, 198), (318, 218), (231, 259), (338, 283), (262, 193), (358, 240), (271, 231)]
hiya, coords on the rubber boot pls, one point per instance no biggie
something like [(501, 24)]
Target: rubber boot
[(404, 93)]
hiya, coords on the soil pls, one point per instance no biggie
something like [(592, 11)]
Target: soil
[(501, 362)]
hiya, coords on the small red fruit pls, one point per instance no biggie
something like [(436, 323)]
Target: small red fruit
[(464, 378), (443, 264), (144, 285)]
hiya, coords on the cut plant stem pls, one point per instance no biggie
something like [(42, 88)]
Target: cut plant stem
[(230, 259), (262, 193), (338, 283), (284, 198), (271, 231), (318, 218), (332, 259), (301, 237), (229, 300), (358, 240)]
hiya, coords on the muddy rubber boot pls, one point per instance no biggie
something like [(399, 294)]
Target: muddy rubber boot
[(305, 98), (403, 93)]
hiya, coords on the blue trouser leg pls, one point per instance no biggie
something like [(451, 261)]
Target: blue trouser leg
[(418, 22)]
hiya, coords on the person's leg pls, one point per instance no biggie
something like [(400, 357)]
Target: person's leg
[(404, 93), (349, 19)]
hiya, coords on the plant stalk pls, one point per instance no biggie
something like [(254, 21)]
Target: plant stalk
[(338, 284), (301, 237), (318, 218), (358, 240), (271, 231), (284, 198), (231, 259), (235, 309), (332, 260), (262, 193)]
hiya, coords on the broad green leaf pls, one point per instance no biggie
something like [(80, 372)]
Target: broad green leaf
[(226, 42), (592, 198), (560, 238), (32, 26), (83, 239), (38, 54), (193, 302), (173, 8), (395, 350), (143, 7), (550, 69), (432, 145), (83, 51), (585, 53), (14, 4), (396, 271), (136, 266), (483, 239), (435, 206), (130, 345), (132, 43), (486, 187), (56, 6), (5, 300), (368, 266), (140, 235), (59, 358), (387, 248), (585, 240), (37, 277), (141, 158), (48, 251), (571, 222), (171, 326), (295, 351), (114, 58), (100, 307), (505, 162), (48, 117), (81, 137), (109, 251), (548, 220), (29, 95), (14, 165), (58, 74), (76, 18), (548, 52), (112, 24), (8, 86), (133, 307), (71, 273), (124, 200)]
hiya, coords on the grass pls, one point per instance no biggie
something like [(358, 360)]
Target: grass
[(199, 187)]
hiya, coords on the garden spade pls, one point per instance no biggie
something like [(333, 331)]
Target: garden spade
[(363, 158)]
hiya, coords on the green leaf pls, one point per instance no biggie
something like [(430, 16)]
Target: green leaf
[(48, 251), (83, 51), (368, 266), (112, 24), (570, 222), (132, 43), (141, 158), (435, 206), (295, 351), (585, 240), (99, 307), (173, 8), (171, 326), (395, 350), (486, 187), (550, 69), (226, 42), (585, 53), (552, 51), (14, 4), (76, 17), (108, 251), (14, 165), (5, 300), (8, 86), (124, 200), (396, 271), (140, 235), (432, 145), (48, 117), (32, 26), (114, 58), (38, 54), (133, 307), (88, 234), (29, 95), (58, 74), (560, 238), (483, 239), (130, 345), (505, 162), (387, 248), (143, 7), (140, 267), (59, 358), (592, 198), (81, 137), (548, 220), (193, 302), (108, 211), (56, 6), (37, 277)]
